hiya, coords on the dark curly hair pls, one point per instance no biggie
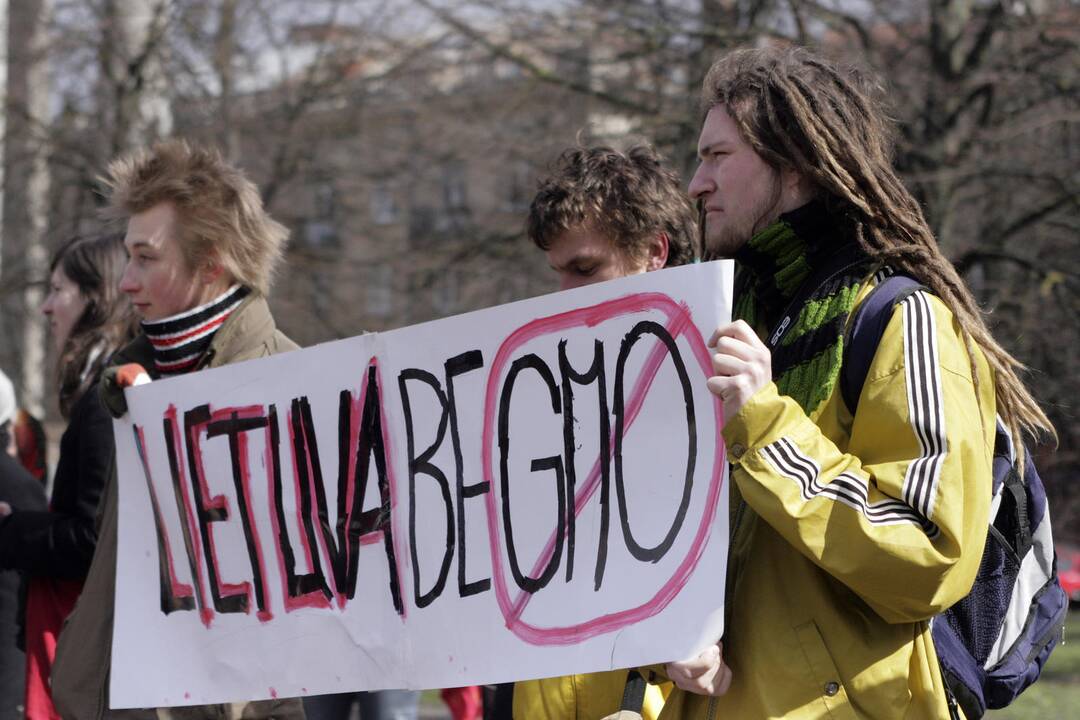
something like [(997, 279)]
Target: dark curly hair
[(628, 197)]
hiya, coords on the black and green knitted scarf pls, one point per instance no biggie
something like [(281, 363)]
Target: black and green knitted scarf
[(803, 246)]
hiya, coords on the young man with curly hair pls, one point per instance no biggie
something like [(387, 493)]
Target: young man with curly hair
[(604, 214)]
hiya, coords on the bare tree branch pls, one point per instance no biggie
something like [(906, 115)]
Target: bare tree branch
[(537, 72)]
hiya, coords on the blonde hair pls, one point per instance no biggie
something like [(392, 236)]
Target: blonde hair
[(219, 211)]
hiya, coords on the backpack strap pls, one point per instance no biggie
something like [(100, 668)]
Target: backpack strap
[(950, 698), (865, 331), (633, 698), (499, 701)]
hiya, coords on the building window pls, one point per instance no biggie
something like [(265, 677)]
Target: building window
[(384, 207), (319, 229), (455, 194), (512, 288), (320, 234), (321, 295), (507, 69), (446, 292), (379, 291), (422, 226), (324, 200), (518, 186)]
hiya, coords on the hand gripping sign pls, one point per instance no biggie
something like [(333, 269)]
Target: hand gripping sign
[(530, 490)]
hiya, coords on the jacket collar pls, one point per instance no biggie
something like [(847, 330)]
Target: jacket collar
[(249, 327), (246, 328), (772, 267)]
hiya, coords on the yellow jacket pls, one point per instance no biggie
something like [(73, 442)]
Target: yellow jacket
[(581, 697), (849, 534)]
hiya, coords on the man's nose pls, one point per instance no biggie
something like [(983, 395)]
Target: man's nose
[(127, 280), (699, 184), (569, 282)]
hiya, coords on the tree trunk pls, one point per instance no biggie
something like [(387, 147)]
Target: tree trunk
[(3, 130), (224, 58), (132, 45), (26, 191)]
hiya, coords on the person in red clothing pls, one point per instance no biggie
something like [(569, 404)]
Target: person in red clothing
[(464, 703), (28, 436), (18, 489), (89, 318)]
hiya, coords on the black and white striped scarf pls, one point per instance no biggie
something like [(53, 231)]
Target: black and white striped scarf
[(179, 341)]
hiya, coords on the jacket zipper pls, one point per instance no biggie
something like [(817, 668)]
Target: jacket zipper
[(738, 518), (711, 710)]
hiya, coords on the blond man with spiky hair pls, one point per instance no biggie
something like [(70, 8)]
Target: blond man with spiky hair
[(219, 212), (201, 255)]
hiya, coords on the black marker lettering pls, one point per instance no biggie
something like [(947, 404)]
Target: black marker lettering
[(646, 326), (569, 376), (422, 464), (295, 585), (234, 427), (526, 583), (370, 442), (172, 598), (459, 365), (209, 510), (171, 437)]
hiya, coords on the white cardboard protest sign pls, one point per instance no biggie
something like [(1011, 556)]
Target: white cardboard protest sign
[(526, 491)]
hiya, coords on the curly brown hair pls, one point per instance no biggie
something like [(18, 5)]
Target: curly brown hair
[(803, 112), (628, 197), (220, 211)]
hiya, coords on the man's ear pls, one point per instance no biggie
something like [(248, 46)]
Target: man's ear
[(212, 271), (658, 252), (797, 189)]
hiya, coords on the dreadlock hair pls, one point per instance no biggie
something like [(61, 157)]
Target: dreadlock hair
[(800, 111), (627, 197)]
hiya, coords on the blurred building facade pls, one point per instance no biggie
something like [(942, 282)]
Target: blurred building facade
[(407, 192)]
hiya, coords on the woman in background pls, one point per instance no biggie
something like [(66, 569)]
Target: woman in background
[(89, 319), (18, 489)]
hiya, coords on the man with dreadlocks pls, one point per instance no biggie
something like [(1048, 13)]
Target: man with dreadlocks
[(848, 531)]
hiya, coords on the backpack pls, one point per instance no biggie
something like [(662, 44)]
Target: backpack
[(993, 643)]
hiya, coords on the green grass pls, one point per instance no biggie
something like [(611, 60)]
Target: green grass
[(431, 699), (1057, 693)]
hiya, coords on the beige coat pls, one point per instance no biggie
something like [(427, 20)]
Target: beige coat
[(80, 676)]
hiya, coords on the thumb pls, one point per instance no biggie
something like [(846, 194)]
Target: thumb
[(131, 375)]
